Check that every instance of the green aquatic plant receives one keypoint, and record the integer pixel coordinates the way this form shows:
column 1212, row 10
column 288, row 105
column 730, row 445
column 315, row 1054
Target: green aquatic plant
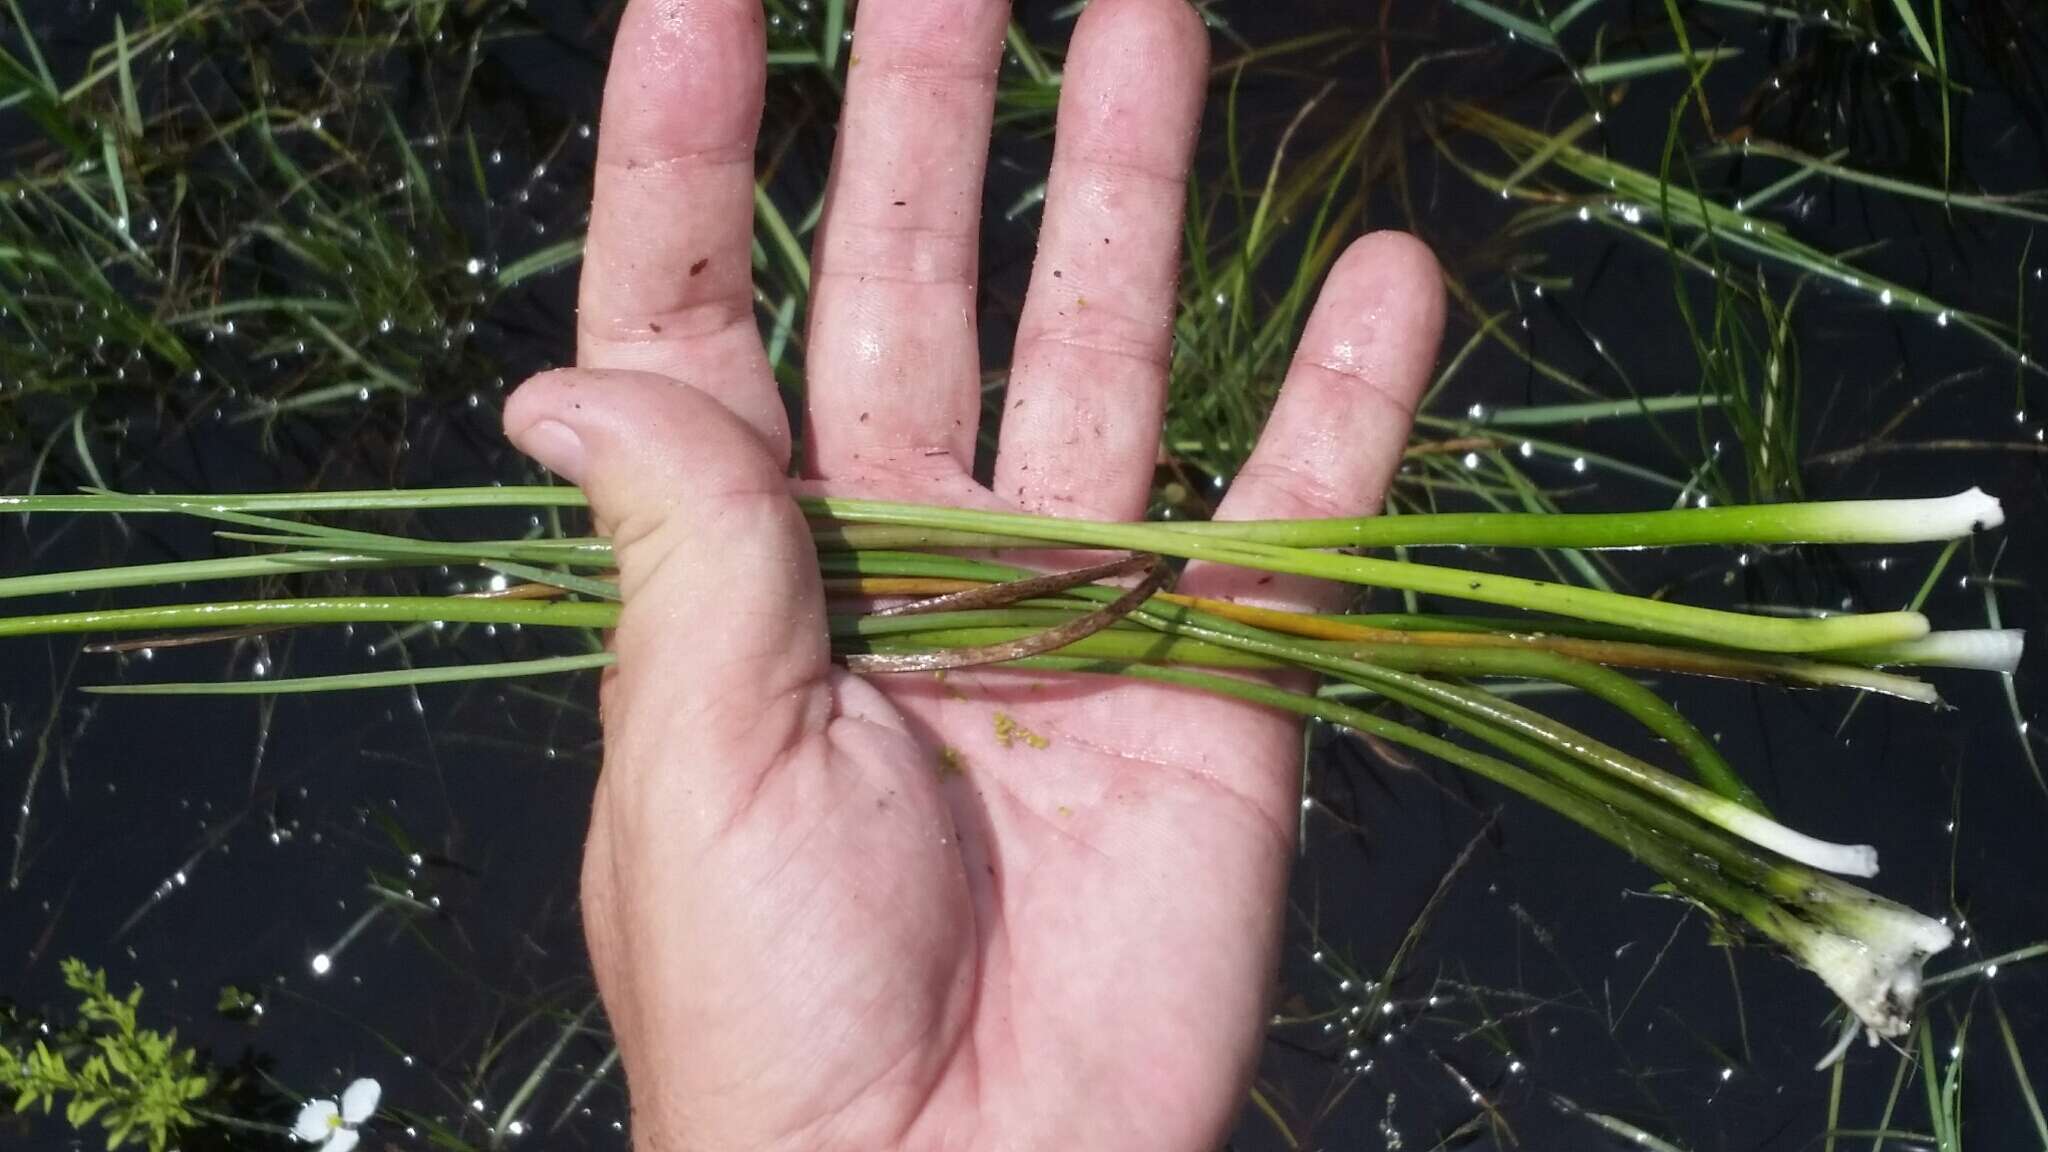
column 911, row 602
column 141, row 1086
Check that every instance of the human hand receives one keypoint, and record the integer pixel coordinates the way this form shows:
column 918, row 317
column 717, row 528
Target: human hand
column 808, row 934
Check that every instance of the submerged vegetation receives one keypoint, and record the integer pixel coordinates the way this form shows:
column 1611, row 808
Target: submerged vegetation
column 1710, row 254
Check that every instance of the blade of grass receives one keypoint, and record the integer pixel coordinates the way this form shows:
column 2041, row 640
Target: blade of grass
column 770, row 217
column 1616, row 71
column 366, row 681
column 1911, row 20
column 540, row 262
column 1515, row 26
column 1547, row 415
column 131, row 108
column 504, row 1129
column 2007, row 680
column 2017, row 207
column 2019, row 1072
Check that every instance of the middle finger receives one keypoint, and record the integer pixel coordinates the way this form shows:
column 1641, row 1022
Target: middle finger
column 893, row 355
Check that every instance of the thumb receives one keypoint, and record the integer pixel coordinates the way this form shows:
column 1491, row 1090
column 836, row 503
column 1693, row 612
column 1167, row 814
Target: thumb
column 723, row 654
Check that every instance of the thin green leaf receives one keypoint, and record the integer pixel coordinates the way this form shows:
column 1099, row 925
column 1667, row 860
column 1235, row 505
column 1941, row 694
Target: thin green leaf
column 1515, row 26
column 367, row 681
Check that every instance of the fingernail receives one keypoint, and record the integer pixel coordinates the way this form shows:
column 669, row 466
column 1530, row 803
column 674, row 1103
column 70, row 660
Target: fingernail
column 557, row 447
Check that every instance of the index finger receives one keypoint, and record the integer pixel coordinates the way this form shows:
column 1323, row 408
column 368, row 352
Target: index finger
column 667, row 286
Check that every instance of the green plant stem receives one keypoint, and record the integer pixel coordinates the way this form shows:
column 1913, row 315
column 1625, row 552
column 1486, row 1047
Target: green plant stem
column 1646, row 707
column 325, row 610
column 1617, row 648
column 1818, row 522
column 1465, row 707
column 1815, row 522
column 1426, row 695
column 1643, row 705
column 1704, row 877
column 1729, row 629
column 182, row 571
column 354, row 681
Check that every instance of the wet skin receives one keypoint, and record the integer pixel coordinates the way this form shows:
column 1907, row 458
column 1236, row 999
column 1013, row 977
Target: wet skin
column 989, row 910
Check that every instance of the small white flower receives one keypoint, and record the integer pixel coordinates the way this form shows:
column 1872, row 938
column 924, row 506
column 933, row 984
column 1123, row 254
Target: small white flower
column 335, row 1126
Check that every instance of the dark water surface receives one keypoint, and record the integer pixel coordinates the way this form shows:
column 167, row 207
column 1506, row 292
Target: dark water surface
column 189, row 845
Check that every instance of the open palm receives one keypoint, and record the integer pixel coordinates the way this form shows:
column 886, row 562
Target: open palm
column 993, row 909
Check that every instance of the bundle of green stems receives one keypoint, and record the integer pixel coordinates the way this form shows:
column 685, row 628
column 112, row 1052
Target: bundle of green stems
column 915, row 590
